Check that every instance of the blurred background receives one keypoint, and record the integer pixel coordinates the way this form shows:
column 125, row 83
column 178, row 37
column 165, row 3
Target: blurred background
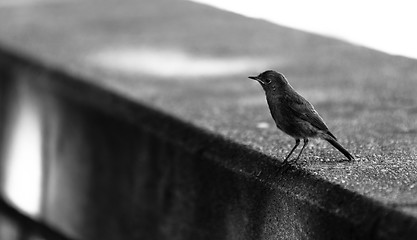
column 385, row 26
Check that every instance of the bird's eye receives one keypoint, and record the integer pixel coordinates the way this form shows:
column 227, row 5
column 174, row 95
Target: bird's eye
column 267, row 81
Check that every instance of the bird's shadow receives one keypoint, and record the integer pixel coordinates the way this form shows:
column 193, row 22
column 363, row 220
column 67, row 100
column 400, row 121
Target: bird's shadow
column 285, row 167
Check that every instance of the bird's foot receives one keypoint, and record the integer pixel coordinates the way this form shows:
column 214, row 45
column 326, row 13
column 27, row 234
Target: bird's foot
column 284, row 167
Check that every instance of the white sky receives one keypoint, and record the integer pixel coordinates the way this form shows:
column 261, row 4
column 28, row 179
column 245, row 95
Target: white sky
column 388, row 26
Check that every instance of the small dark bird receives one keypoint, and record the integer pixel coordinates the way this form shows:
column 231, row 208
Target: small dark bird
column 293, row 114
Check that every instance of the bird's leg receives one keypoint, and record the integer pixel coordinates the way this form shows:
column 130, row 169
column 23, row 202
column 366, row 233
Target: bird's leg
column 302, row 149
column 297, row 142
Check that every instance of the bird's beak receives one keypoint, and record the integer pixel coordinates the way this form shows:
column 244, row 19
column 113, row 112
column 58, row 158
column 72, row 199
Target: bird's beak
column 256, row 79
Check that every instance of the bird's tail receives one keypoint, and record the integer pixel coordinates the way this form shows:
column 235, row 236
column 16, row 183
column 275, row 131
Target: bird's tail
column 339, row 147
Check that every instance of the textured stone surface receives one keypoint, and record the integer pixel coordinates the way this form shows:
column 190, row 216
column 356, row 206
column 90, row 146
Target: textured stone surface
column 367, row 98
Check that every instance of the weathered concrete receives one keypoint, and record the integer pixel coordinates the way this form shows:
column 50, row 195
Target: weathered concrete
column 367, row 98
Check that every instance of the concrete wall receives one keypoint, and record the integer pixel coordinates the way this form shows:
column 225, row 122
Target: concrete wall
column 114, row 169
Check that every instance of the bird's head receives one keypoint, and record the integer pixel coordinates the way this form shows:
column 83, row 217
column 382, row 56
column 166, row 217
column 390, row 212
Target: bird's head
column 271, row 80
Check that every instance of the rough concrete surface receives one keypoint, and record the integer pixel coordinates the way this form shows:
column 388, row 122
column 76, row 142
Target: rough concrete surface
column 367, row 98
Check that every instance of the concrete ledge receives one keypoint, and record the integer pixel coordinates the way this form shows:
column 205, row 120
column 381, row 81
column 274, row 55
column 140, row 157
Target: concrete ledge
column 234, row 192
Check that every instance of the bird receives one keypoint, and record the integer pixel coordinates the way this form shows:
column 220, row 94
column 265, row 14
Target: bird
column 293, row 114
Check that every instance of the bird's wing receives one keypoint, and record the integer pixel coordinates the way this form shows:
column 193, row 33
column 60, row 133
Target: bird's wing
column 301, row 108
